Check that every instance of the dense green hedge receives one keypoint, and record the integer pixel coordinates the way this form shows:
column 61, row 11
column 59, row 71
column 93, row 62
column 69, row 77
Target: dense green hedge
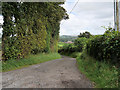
column 67, row 48
column 30, row 28
column 80, row 43
column 105, row 47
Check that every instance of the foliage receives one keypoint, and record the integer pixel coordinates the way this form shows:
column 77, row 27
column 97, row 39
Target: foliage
column 73, row 55
column 102, row 74
column 61, row 44
column 85, row 34
column 72, row 49
column 13, row 64
column 80, row 43
column 68, row 48
column 30, row 28
column 109, row 29
column 105, row 47
column 100, row 57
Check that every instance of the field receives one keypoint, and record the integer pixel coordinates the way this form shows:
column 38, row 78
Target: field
column 61, row 44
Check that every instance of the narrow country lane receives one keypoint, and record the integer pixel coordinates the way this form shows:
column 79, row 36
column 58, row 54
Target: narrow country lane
column 60, row 73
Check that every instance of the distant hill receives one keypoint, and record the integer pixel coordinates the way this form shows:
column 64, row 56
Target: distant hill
column 65, row 38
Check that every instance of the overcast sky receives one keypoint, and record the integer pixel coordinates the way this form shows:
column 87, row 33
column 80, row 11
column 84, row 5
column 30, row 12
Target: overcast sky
column 87, row 16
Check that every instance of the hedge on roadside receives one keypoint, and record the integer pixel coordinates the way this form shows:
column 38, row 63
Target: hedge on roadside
column 67, row 48
column 80, row 43
column 30, row 28
column 105, row 47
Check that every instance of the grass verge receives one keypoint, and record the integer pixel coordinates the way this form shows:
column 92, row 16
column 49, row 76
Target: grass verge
column 101, row 73
column 30, row 60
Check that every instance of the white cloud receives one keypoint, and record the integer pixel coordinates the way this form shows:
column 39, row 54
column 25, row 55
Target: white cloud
column 1, row 21
column 87, row 17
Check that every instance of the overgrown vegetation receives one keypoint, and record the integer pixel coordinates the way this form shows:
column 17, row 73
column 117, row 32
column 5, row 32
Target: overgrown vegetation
column 98, row 57
column 13, row 64
column 102, row 74
column 85, row 34
column 105, row 47
column 30, row 28
column 80, row 43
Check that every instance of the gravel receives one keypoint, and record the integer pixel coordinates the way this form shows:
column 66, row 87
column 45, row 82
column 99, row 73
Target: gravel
column 59, row 73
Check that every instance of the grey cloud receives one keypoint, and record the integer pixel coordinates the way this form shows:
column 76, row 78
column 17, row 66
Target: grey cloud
column 88, row 16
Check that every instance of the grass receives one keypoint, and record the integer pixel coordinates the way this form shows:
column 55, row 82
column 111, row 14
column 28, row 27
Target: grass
column 30, row 60
column 101, row 73
column 61, row 44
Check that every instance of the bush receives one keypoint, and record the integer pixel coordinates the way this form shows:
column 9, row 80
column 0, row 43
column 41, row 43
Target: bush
column 105, row 47
column 80, row 43
column 67, row 48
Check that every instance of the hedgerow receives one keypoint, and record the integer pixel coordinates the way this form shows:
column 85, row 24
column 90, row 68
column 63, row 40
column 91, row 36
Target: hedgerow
column 30, row 27
column 105, row 47
column 80, row 43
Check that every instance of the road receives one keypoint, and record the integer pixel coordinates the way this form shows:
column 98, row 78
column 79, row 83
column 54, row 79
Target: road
column 60, row 73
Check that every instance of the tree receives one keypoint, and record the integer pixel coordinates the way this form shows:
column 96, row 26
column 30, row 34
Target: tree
column 34, row 30
column 85, row 34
